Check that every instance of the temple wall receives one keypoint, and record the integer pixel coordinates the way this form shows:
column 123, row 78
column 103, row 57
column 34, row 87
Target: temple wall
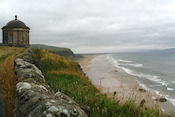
column 16, row 37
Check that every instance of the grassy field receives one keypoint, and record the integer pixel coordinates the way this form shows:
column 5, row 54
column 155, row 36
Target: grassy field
column 7, row 78
column 63, row 75
column 5, row 52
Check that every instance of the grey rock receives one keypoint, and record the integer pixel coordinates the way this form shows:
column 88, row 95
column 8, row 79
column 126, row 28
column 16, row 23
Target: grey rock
column 26, row 55
column 142, row 90
column 24, row 70
column 161, row 99
column 86, row 109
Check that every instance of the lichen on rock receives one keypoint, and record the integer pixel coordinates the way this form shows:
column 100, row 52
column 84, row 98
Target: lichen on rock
column 22, row 85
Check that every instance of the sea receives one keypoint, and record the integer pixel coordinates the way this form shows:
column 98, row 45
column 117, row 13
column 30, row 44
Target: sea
column 154, row 70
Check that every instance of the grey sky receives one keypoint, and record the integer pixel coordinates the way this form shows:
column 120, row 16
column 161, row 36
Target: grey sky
column 95, row 25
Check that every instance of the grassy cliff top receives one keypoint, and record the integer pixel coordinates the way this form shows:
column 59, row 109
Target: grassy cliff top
column 65, row 52
column 49, row 48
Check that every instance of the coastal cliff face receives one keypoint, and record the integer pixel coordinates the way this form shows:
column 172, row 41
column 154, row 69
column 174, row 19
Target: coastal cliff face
column 65, row 52
column 35, row 98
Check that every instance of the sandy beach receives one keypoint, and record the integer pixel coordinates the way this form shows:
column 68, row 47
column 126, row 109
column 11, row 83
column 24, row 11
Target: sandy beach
column 109, row 79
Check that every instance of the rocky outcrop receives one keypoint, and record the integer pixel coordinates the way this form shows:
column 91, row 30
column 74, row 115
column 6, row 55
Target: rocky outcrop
column 161, row 99
column 34, row 97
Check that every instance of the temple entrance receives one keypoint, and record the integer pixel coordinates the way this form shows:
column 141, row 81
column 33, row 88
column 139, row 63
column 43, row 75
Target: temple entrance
column 10, row 41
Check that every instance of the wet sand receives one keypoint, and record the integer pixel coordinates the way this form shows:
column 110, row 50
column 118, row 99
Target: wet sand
column 109, row 79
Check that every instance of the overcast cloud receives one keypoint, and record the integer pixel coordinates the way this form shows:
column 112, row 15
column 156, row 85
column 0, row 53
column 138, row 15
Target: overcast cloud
column 95, row 25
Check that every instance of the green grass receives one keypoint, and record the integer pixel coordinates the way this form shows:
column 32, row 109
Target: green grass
column 4, row 51
column 3, row 57
column 63, row 75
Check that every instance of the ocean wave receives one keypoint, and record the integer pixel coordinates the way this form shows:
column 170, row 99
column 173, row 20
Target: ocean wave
column 127, row 70
column 149, row 77
column 130, row 63
column 117, row 64
column 125, row 61
column 153, row 78
column 143, row 85
column 172, row 100
column 136, row 65
column 133, row 65
column 170, row 89
column 155, row 85
column 112, row 61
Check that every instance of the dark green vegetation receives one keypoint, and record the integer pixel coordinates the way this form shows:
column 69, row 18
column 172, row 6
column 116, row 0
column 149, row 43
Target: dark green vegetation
column 64, row 75
column 49, row 48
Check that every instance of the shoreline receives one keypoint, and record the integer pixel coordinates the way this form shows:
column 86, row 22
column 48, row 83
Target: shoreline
column 109, row 79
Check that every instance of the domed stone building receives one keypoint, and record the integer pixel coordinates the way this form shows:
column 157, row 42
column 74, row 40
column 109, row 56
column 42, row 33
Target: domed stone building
column 16, row 33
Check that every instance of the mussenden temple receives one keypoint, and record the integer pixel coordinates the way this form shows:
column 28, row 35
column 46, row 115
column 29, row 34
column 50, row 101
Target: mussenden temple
column 16, row 33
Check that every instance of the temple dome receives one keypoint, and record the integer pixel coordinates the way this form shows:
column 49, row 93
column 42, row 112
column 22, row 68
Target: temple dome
column 15, row 33
column 15, row 24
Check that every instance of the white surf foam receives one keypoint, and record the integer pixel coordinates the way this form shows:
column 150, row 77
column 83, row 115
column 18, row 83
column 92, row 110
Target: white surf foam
column 153, row 78
column 136, row 65
column 170, row 89
column 172, row 101
column 128, row 70
column 133, row 65
column 112, row 61
column 147, row 76
column 142, row 85
column 125, row 61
